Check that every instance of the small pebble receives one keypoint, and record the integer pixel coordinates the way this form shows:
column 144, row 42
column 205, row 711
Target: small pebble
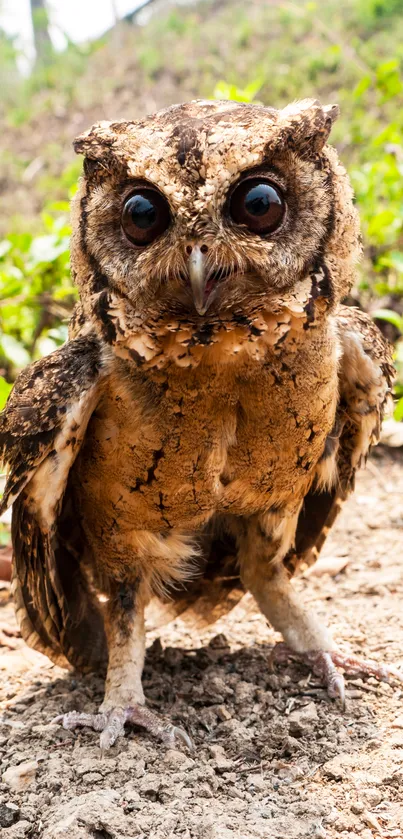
column 9, row 814
column 21, row 776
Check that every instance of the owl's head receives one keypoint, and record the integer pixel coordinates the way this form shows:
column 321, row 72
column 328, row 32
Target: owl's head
column 208, row 208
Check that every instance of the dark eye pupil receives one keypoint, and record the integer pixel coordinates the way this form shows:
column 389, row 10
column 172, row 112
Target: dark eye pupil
column 143, row 212
column 258, row 205
column 259, row 199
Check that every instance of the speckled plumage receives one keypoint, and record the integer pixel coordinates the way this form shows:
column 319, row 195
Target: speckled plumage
column 157, row 433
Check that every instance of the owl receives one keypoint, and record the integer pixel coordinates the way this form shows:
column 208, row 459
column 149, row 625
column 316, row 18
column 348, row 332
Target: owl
column 198, row 432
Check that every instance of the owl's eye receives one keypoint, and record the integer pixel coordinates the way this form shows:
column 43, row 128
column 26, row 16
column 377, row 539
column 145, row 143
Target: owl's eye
column 145, row 216
column 257, row 204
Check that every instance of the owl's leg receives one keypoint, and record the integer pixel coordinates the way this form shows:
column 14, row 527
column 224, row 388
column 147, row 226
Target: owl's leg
column 124, row 698
column 265, row 576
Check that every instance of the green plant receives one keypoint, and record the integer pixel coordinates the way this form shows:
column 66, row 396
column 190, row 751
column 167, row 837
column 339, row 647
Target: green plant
column 36, row 295
column 223, row 90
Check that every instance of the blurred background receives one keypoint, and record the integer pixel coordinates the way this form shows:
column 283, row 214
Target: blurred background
column 64, row 65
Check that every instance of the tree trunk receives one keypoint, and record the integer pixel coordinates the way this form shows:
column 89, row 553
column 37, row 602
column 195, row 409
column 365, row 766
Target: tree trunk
column 40, row 22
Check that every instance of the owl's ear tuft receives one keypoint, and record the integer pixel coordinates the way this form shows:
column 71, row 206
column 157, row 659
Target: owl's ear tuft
column 96, row 143
column 307, row 125
column 332, row 113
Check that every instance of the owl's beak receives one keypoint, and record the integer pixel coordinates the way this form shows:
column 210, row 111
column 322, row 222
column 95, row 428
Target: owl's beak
column 199, row 280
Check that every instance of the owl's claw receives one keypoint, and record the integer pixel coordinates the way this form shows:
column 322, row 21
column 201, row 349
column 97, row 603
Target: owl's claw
column 361, row 666
column 165, row 731
column 111, row 724
column 324, row 664
column 75, row 719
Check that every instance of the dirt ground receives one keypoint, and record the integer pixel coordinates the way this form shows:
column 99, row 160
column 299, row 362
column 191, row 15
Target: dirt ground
column 274, row 757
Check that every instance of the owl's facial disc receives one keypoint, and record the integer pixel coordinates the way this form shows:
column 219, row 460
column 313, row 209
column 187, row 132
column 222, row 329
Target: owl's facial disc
column 257, row 186
column 255, row 203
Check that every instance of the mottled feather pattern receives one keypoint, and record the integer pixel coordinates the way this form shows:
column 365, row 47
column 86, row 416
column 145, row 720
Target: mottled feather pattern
column 366, row 378
column 37, row 405
column 56, row 609
column 39, row 428
column 212, row 451
column 164, row 339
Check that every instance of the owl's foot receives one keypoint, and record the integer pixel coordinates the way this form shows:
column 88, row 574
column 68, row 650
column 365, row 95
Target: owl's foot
column 323, row 664
column 111, row 724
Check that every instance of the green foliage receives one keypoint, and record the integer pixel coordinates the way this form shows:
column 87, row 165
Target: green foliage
column 150, row 60
column 36, row 295
column 8, row 52
column 223, row 90
column 372, row 12
column 5, row 388
column 377, row 178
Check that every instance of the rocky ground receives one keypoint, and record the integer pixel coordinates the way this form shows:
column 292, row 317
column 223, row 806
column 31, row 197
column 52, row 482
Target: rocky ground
column 274, row 757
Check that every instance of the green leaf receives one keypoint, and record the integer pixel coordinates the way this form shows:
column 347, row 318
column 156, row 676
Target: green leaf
column 5, row 388
column 362, row 87
column 66, row 291
column 47, row 248
column 390, row 316
column 387, row 67
column 59, row 207
column 394, row 259
column 5, row 247
column 223, row 90
column 382, row 224
column 14, row 351
column 252, row 89
column 10, row 286
column 398, row 412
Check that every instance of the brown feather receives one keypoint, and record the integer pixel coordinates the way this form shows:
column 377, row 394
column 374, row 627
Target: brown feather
column 255, row 415
column 40, row 432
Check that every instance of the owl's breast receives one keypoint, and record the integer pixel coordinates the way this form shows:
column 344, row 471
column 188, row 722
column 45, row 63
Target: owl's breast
column 281, row 430
column 176, row 450
column 154, row 465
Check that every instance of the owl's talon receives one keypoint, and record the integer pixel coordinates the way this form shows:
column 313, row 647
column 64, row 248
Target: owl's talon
column 336, row 688
column 76, row 719
column 115, row 727
column 361, row 666
column 111, row 724
column 323, row 665
column 178, row 736
column 169, row 734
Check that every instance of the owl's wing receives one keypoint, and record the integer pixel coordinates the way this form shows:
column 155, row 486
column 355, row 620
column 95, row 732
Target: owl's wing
column 366, row 375
column 41, row 431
